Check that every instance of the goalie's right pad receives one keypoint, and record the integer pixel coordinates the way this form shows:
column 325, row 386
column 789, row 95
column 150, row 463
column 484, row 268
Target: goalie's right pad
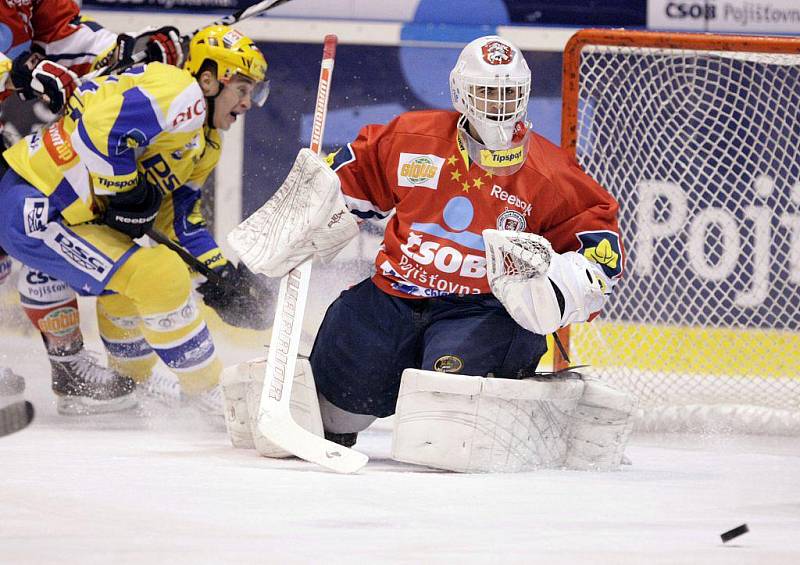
column 306, row 217
column 484, row 425
column 542, row 290
column 241, row 388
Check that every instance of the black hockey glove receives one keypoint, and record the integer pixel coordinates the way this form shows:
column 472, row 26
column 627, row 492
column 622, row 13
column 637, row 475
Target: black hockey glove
column 163, row 45
column 35, row 77
column 135, row 211
column 242, row 298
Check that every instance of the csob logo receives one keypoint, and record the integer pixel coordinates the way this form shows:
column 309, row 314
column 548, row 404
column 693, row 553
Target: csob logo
column 693, row 10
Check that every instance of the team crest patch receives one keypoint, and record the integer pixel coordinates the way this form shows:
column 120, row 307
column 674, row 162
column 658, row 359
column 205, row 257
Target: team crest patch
column 603, row 248
column 448, row 364
column 511, row 220
column 497, row 53
column 414, row 170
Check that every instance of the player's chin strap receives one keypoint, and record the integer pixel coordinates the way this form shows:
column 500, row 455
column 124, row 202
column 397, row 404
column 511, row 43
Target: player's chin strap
column 210, row 105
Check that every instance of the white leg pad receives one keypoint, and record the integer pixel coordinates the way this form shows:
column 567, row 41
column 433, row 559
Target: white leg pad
column 242, row 385
column 475, row 424
column 601, row 425
column 235, row 381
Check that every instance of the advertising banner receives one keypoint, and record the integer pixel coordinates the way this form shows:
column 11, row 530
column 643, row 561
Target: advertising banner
column 726, row 16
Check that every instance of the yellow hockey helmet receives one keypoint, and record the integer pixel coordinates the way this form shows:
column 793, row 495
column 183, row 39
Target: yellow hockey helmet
column 233, row 53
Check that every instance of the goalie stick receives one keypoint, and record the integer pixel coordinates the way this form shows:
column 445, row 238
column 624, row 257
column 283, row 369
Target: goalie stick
column 230, row 19
column 274, row 418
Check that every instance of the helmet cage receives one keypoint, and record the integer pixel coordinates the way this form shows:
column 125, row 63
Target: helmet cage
column 490, row 85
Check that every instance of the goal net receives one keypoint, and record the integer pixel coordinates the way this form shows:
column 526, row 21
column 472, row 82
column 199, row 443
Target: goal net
column 698, row 138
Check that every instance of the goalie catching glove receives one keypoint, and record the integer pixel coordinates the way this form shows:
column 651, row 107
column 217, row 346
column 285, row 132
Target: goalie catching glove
column 306, row 217
column 542, row 290
column 241, row 298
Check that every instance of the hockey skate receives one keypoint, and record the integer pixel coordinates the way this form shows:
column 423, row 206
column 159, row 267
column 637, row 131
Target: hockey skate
column 346, row 440
column 162, row 387
column 210, row 404
column 83, row 386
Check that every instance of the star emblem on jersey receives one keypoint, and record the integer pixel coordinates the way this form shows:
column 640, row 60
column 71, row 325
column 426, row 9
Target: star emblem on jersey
column 451, row 160
column 455, row 175
column 477, row 183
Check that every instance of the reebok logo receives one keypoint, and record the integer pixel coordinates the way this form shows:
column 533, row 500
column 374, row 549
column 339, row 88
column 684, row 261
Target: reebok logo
column 513, row 200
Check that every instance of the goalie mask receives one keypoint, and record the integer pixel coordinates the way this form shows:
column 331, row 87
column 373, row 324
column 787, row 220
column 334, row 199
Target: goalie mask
column 232, row 53
column 490, row 86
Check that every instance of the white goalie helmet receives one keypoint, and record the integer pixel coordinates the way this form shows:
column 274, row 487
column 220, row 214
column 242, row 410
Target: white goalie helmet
column 490, row 85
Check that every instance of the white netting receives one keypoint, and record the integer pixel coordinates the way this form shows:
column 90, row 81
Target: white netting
column 702, row 151
column 516, row 256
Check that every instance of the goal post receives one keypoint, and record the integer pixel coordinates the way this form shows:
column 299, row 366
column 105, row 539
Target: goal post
column 697, row 136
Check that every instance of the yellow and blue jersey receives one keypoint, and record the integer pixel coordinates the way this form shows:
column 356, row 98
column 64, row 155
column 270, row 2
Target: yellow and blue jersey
column 149, row 120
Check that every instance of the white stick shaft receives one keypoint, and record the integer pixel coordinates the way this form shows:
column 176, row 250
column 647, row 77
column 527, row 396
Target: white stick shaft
column 274, row 420
column 293, row 294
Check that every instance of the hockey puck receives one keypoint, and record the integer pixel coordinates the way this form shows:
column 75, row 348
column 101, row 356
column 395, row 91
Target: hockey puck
column 734, row 533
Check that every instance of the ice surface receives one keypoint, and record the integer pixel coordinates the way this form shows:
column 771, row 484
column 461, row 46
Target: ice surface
column 168, row 488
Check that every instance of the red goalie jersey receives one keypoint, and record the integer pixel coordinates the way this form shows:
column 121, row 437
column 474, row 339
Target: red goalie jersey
column 433, row 246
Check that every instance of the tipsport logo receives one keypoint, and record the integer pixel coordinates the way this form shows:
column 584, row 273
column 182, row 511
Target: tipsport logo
column 415, row 170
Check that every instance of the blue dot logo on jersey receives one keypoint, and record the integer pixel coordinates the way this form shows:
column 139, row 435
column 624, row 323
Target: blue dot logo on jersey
column 457, row 216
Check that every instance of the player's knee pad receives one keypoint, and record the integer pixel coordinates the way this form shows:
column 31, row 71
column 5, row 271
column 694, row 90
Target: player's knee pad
column 601, row 425
column 476, row 424
column 155, row 279
column 241, row 387
column 157, row 282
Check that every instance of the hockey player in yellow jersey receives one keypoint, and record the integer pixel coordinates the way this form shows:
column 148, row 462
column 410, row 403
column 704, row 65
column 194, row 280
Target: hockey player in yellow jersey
column 131, row 152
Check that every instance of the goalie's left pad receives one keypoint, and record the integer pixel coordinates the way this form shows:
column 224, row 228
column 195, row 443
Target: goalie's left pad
column 483, row 425
column 542, row 290
column 600, row 428
column 241, row 388
column 306, row 217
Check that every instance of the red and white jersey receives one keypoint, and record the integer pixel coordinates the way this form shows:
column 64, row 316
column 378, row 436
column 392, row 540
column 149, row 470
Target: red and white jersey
column 433, row 245
column 56, row 27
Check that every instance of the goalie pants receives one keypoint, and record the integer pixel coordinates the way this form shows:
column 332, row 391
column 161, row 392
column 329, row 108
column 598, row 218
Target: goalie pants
column 368, row 337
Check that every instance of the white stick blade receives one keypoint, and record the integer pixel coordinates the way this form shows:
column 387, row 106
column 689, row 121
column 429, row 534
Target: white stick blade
column 289, row 436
